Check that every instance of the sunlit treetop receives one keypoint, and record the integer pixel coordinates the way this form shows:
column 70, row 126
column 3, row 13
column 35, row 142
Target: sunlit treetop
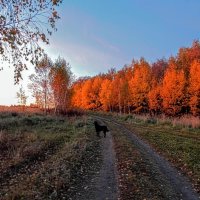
column 23, row 23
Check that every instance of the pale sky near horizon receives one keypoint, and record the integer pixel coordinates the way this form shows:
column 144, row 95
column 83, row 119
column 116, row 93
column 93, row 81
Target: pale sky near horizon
column 94, row 36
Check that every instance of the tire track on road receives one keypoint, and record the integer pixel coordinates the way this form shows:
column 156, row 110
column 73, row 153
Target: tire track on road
column 103, row 185
column 172, row 181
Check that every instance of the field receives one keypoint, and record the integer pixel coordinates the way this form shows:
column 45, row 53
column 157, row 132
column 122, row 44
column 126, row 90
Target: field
column 60, row 157
column 44, row 157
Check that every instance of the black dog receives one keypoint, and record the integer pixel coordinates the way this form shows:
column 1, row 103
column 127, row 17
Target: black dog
column 100, row 128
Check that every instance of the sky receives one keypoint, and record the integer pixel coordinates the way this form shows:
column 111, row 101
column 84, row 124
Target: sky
column 94, row 36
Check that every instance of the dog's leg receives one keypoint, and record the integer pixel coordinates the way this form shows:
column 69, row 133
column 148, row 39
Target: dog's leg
column 104, row 133
column 98, row 134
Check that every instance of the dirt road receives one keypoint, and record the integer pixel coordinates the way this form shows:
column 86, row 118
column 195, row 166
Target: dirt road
column 165, row 180
column 103, row 185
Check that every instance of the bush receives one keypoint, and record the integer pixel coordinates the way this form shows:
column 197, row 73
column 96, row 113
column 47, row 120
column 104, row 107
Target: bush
column 28, row 122
column 7, row 123
column 14, row 114
column 151, row 121
column 74, row 112
column 127, row 117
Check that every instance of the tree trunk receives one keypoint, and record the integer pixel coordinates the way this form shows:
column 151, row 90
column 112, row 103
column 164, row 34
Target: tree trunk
column 119, row 103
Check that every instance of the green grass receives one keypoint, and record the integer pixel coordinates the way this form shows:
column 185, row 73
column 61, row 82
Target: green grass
column 44, row 127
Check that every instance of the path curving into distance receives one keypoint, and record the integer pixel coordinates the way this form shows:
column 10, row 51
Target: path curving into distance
column 176, row 185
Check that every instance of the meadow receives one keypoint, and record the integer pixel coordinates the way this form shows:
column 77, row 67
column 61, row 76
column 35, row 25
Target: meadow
column 44, row 156
column 53, row 156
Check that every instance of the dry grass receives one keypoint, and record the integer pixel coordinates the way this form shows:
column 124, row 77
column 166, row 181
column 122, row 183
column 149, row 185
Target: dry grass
column 185, row 121
column 46, row 152
column 3, row 137
column 19, row 109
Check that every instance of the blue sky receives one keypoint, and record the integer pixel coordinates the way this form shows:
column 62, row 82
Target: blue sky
column 97, row 35
column 94, row 36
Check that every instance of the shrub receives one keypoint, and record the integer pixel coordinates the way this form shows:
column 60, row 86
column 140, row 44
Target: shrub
column 74, row 112
column 14, row 114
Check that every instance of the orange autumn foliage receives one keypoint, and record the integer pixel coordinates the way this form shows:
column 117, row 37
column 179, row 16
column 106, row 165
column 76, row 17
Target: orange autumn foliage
column 61, row 77
column 194, row 88
column 77, row 95
column 140, row 85
column 105, row 95
column 155, row 100
column 169, row 86
column 173, row 90
column 86, row 96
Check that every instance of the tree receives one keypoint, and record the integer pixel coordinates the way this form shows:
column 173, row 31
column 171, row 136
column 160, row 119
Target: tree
column 61, row 78
column 22, row 25
column 115, row 94
column 155, row 100
column 167, row 86
column 105, row 95
column 186, row 56
column 76, row 100
column 140, row 86
column 173, row 89
column 21, row 96
column 95, row 90
column 87, row 95
column 194, row 88
column 40, row 83
column 158, row 70
column 120, row 92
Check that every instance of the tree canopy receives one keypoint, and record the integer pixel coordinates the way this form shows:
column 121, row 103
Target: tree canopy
column 168, row 86
column 23, row 24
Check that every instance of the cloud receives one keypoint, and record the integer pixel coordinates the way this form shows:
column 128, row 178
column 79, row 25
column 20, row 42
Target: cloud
column 106, row 45
column 84, row 59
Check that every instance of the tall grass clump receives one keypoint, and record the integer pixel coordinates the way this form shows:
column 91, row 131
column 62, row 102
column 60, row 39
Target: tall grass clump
column 186, row 121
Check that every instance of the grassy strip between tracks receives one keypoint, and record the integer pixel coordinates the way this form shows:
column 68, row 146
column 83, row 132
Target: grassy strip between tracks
column 136, row 180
